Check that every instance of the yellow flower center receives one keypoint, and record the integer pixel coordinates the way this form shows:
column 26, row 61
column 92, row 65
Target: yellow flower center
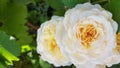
column 50, row 42
column 53, row 45
column 54, row 49
column 117, row 49
column 87, row 34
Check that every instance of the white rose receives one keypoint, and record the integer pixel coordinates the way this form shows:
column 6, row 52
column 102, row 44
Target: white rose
column 115, row 59
column 88, row 35
column 90, row 65
column 46, row 43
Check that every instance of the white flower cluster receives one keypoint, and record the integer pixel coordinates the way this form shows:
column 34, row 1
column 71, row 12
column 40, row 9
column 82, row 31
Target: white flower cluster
column 85, row 37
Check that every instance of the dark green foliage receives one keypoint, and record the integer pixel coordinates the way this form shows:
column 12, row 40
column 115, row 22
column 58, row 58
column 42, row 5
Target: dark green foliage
column 38, row 12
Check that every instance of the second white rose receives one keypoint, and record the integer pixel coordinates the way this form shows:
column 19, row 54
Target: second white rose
column 88, row 35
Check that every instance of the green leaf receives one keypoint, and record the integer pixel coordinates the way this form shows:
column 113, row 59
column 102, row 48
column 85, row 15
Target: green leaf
column 3, row 4
column 72, row 3
column 115, row 66
column 14, row 20
column 44, row 64
column 56, row 4
column 2, row 60
column 2, row 66
column 113, row 7
column 101, row 2
column 9, row 49
column 25, row 48
column 24, row 2
column 59, row 12
column 8, row 44
column 7, row 55
column 73, row 66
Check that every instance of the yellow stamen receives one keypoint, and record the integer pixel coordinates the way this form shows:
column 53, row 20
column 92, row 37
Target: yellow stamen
column 50, row 41
column 117, row 49
column 87, row 34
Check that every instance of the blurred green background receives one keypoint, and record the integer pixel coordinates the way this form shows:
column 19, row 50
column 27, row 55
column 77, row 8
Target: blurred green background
column 21, row 19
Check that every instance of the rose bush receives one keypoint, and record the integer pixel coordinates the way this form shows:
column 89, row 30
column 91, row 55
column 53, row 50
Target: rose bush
column 88, row 36
column 47, row 46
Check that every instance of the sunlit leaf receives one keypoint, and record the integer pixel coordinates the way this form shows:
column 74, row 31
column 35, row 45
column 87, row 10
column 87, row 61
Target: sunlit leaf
column 25, row 48
column 9, row 49
column 7, row 55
